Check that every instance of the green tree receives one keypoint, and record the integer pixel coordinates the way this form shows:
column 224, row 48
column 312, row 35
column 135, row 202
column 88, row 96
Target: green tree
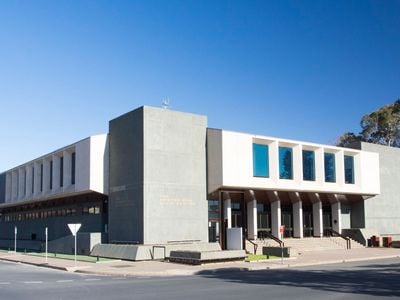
column 347, row 139
column 382, row 126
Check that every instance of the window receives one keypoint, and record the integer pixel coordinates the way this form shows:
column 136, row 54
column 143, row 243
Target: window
column 348, row 169
column 329, row 164
column 61, row 171
column 51, row 174
column 285, row 163
column 213, row 209
column 308, row 165
column 73, row 159
column 260, row 160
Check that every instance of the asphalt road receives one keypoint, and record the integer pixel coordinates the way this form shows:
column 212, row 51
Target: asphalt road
column 368, row 280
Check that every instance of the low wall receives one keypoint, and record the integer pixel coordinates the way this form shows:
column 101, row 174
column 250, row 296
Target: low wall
column 278, row 251
column 149, row 252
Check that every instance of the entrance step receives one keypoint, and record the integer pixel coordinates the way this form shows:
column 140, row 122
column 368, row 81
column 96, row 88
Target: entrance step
column 316, row 244
column 304, row 244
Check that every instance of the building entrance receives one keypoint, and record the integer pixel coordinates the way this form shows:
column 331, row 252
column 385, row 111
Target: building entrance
column 287, row 220
column 327, row 220
column 308, row 228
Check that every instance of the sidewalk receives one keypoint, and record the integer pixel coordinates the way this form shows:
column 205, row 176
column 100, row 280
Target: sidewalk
column 158, row 268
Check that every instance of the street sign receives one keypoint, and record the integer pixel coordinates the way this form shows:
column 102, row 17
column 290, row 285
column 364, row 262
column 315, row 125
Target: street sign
column 74, row 228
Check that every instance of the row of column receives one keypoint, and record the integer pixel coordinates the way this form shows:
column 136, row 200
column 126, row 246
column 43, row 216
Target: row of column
column 49, row 175
column 297, row 214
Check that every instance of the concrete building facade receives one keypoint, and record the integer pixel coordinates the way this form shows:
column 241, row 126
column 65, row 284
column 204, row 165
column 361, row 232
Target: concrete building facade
column 161, row 176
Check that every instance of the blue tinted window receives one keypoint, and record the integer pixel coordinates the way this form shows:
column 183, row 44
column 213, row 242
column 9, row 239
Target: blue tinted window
column 260, row 160
column 308, row 165
column 348, row 169
column 329, row 162
column 285, row 163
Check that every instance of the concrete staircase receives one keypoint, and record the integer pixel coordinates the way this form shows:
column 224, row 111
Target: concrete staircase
column 305, row 244
column 319, row 244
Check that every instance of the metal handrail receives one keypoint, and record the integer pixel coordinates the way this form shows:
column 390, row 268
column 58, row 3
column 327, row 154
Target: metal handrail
column 272, row 237
column 347, row 239
column 255, row 245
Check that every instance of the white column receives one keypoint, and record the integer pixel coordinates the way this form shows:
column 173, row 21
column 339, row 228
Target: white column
column 46, row 176
column 29, row 176
column 317, row 219
column 297, row 208
column 252, row 219
column 336, row 217
column 275, row 214
column 56, row 173
column 21, row 182
column 228, row 210
column 36, row 188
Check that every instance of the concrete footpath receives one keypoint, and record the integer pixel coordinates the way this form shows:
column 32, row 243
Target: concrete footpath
column 160, row 268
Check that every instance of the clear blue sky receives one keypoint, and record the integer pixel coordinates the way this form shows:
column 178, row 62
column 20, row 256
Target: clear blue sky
column 305, row 70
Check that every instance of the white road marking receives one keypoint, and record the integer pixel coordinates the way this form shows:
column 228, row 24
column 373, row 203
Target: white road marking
column 33, row 282
column 4, row 283
column 92, row 279
column 65, row 280
column 119, row 278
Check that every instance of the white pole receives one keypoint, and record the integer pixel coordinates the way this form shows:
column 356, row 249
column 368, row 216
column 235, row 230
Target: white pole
column 75, row 247
column 15, row 239
column 46, row 233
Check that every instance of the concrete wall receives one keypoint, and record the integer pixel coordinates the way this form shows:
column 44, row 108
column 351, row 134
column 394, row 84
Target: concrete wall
column 125, row 206
column 382, row 212
column 237, row 166
column 157, row 177
column 175, row 205
column 2, row 187
column 31, row 181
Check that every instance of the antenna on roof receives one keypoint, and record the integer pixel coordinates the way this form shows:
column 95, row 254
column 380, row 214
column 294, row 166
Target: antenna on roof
column 165, row 103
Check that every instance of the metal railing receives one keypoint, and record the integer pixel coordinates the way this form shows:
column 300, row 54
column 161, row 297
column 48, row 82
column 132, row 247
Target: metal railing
column 265, row 234
column 255, row 245
column 331, row 232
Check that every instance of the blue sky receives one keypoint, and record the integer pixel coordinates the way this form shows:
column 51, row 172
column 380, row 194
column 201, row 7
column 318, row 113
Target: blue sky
column 305, row 70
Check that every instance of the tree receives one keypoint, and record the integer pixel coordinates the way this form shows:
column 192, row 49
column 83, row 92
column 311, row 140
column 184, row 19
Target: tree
column 379, row 127
column 348, row 139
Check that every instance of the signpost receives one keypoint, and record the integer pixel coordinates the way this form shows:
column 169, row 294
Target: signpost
column 46, row 233
column 74, row 229
column 15, row 239
column 282, row 230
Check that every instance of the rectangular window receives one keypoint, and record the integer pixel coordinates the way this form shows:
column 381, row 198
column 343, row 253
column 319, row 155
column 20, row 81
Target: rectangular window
column 329, row 164
column 51, row 174
column 285, row 163
column 61, row 171
column 308, row 165
column 348, row 169
column 41, row 177
column 260, row 160
column 73, row 159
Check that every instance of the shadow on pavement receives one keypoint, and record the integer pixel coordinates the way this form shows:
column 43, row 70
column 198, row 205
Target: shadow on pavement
column 377, row 280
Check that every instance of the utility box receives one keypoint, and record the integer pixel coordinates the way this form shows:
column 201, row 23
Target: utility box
column 387, row 241
column 234, row 238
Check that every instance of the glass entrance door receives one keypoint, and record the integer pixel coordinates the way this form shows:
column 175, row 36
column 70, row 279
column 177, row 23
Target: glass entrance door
column 327, row 220
column 287, row 221
column 308, row 228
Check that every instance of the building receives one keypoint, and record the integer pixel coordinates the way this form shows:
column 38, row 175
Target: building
column 161, row 176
